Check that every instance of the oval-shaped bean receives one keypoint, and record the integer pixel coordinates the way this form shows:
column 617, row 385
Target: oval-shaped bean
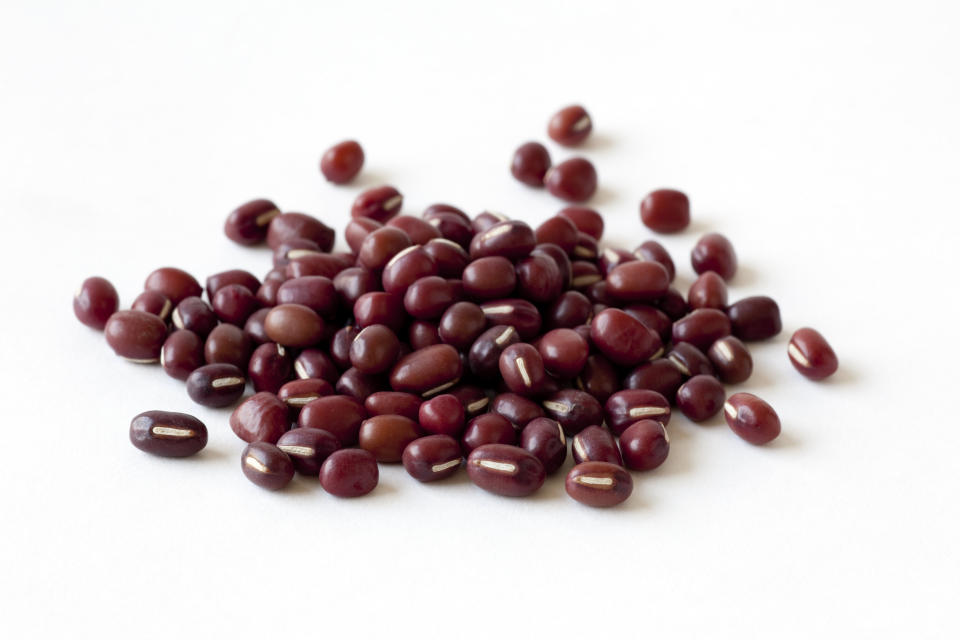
column 644, row 445
column 270, row 367
column 182, row 352
column 488, row 428
column 544, row 438
column 595, row 444
column 386, row 436
column 443, row 414
column 292, row 226
column 216, row 385
column 700, row 398
column 755, row 318
column 262, row 417
column 638, row 281
column 811, row 354
column 701, row 328
column 378, row 203
column 95, row 301
column 522, row 369
column 575, row 410
column 713, row 252
column 308, row 448
column 427, row 372
column 623, row 408
column 293, row 325
column 137, row 336
column 599, row 484
column 522, row 315
column 659, row 375
column 511, row 239
column 247, row 224
column 265, row 465
column 174, row 283
column 751, row 418
column 709, row 291
column 623, row 338
column 340, row 415
column 349, row 473
column 168, row 434
column 299, row 393
column 432, row 458
column 505, row 470
column 731, row 360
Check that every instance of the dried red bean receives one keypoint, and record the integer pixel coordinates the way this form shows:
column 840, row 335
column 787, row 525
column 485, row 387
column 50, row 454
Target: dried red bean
column 595, row 444
column 428, row 297
column 182, row 352
column 571, row 309
column 340, row 415
column 360, row 385
column 137, row 336
column 473, row 399
column 505, row 470
column 689, row 360
column 623, row 408
column 484, row 357
column 196, row 315
column 443, row 414
column 393, row 402
column 308, row 448
column 234, row 303
column 489, row 278
column 291, row 226
column 340, row 346
column 298, row 393
column 530, row 163
column 379, row 203
column 559, row 230
column 292, row 249
column 417, row 229
column 666, row 211
column 381, row 245
column 653, row 319
column 267, row 293
column 216, row 385
column 314, row 292
column 486, row 219
column 153, row 302
column 386, row 436
column 95, row 301
column 599, row 378
column 731, row 360
column 423, row 334
column 585, row 219
column 586, row 248
column 701, row 328
column 544, row 438
column 452, row 227
column 231, row 276
column 599, row 484
column 349, row 473
column 342, row 162
column 570, row 126
column 564, row 352
column 174, row 283
column 574, row 180
column 168, row 434
column 461, row 324
column 623, row 338
column 522, row 369
column 407, row 267
column 270, row 367
column 811, row 354
column 709, row 291
column 318, row 264
column 247, row 224
column 653, row 251
column 352, row 283
column 293, row 325
column 519, row 313
column 432, row 458
column 660, row 375
column 380, row 307
column 511, row 239
column 450, row 257
column 644, row 445
column 428, row 371
column 539, row 279
column 488, row 428
column 713, row 252
column 673, row 304
column 638, row 281
column 313, row 363
column 227, row 343
column 262, row 417
column 515, row 408
column 374, row 349
column 700, row 398
column 751, row 418
column 265, row 465
column 573, row 409
column 755, row 318
column 357, row 231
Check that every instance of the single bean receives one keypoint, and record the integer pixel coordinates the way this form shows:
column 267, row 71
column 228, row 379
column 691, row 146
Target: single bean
column 751, row 418
column 432, row 458
column 216, row 385
column 811, row 354
column 599, row 484
column 265, row 465
column 168, row 434
column 261, row 417
column 644, row 445
column 505, row 470
column 95, row 301
column 308, row 448
column 349, row 473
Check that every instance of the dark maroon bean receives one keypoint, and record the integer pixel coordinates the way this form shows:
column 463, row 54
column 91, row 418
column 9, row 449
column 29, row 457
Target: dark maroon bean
column 308, row 448
column 270, row 367
column 174, row 283
column 700, row 398
column 484, row 357
column 95, row 301
column 449, row 257
column 599, row 378
column 505, row 470
column 731, row 359
column 432, row 458
column 461, row 324
column 407, row 267
column 653, row 319
column 182, row 352
column 443, row 414
column 488, row 428
column 530, row 163
column 340, row 415
column 261, row 417
column 428, row 371
column 288, row 226
column 586, row 248
column 573, row 409
column 233, row 276
column 571, row 309
column 473, row 399
column 393, row 402
column 751, row 418
column 293, row 325
column 599, row 294
column 811, row 354
column 638, row 281
column 453, row 228
column 352, row 283
column 381, row 245
column 539, row 279
column 317, row 264
column 267, row 293
column 428, row 297
column 660, row 375
column 644, row 445
column 544, row 438
column 196, row 315
column 522, row 369
column 216, row 385
column 234, row 303
column 560, row 257
column 653, row 251
column 265, row 465
column 423, row 334
column 574, row 180
column 599, row 484
column 701, row 328
column 515, row 408
column 559, row 230
column 516, row 312
column 486, row 219
column 689, row 360
column 511, row 239
column 623, row 338
column 340, row 346
column 585, row 219
column 227, row 343
column 386, row 436
column 489, row 278
column 713, row 252
column 298, row 393
column 314, row 292
column 379, row 203
column 291, row 250
column 254, row 327
column 665, row 211
column 374, row 349
column 625, row 407
column 709, row 291
column 357, row 231
column 441, row 207
column 755, row 318
column 673, row 304
column 168, row 434
column 564, row 352
column 153, row 302
column 380, row 307
column 137, row 336
column 342, row 162
column 349, row 473
column 360, row 385
column 570, row 126
column 595, row 444
column 313, row 363
column 247, row 224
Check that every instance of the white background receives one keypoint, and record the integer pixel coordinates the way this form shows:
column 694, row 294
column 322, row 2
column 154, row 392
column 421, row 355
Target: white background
column 820, row 137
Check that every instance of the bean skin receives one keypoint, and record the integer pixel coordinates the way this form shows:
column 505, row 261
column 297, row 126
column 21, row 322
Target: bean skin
column 505, row 470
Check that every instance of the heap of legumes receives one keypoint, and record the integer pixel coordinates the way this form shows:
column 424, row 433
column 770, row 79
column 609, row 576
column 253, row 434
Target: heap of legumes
column 445, row 341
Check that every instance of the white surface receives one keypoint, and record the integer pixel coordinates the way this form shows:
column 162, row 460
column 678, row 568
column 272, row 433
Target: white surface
column 821, row 138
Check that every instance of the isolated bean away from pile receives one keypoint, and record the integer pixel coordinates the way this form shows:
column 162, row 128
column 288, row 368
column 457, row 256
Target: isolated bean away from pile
column 447, row 341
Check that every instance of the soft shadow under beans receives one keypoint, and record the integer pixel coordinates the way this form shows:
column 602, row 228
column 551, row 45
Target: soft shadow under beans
column 597, row 141
column 369, row 178
column 603, row 197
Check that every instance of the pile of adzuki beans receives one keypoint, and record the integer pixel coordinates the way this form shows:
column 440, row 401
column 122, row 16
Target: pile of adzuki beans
column 443, row 337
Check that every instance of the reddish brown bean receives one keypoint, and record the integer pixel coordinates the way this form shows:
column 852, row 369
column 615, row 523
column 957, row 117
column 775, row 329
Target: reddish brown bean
column 731, row 360
column 811, row 354
column 709, row 291
column 407, row 267
column 638, row 281
column 271, row 365
column 95, row 301
column 379, row 203
column 511, row 239
column 754, row 318
column 174, row 283
column 168, row 434
column 153, row 302
column 539, row 279
column 644, row 445
column 700, row 398
column 595, row 444
column 375, row 349
column 247, row 224
column 625, row 407
column 751, row 418
column 387, row 436
column 265, row 465
column 293, row 325
column 570, row 126
column 443, row 414
column 530, row 163
column 314, row 363
column 196, row 315
column 586, row 220
column 349, row 473
column 489, row 278
column 599, row 378
column 216, row 385
column 522, row 369
column 291, row 226
column 357, row 230
column 227, row 343
column 380, row 246
column 573, row 409
column 622, row 338
column 660, row 375
column 515, row 408
column 666, row 210
column 488, row 428
column 428, row 371
column 544, row 438
column 505, row 470
column 701, row 328
column 427, row 298
column 340, row 415
column 315, row 292
column 182, row 352
column 308, row 448
column 599, row 484
column 393, row 402
column 298, row 393
column 380, row 307
column 137, row 336
column 432, row 458
column 521, row 314
column 713, row 252
column 261, row 417
column 689, row 360
column 234, row 303
column 342, row 162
